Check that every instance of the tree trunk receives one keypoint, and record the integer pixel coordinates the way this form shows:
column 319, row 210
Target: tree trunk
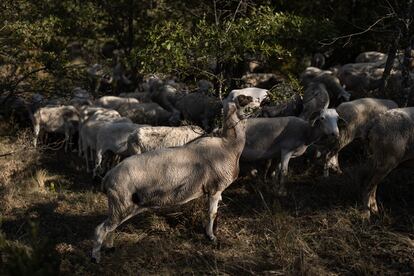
column 389, row 64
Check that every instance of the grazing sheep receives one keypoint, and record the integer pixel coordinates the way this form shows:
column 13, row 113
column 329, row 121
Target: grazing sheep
column 371, row 56
column 152, row 138
column 90, row 129
column 324, row 91
column 361, row 77
column 84, row 113
column 391, row 142
column 357, row 114
column 315, row 98
column 80, row 97
column 165, row 95
column 112, row 137
column 62, row 119
column 283, row 138
column 142, row 97
column 199, row 109
column 292, row 107
column 148, row 113
column 113, row 102
column 261, row 80
column 173, row 176
column 337, row 94
column 307, row 76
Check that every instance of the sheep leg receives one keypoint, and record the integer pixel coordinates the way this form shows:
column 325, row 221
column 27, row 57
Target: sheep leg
column 79, row 145
column 283, row 172
column 334, row 164
column 66, row 140
column 370, row 194
column 212, row 214
column 36, row 134
column 85, row 153
column 108, row 227
column 331, row 162
column 98, row 161
column 110, row 240
column 267, row 167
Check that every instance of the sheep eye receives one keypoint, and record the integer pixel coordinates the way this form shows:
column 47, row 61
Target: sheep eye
column 322, row 118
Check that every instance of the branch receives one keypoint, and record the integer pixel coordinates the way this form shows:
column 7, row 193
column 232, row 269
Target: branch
column 355, row 34
column 234, row 16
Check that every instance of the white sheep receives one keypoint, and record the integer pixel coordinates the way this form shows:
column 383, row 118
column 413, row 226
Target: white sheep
column 358, row 115
column 90, row 129
column 152, row 138
column 61, row 119
column 173, row 176
column 114, row 102
column 283, row 138
column 112, row 137
column 391, row 142
column 148, row 113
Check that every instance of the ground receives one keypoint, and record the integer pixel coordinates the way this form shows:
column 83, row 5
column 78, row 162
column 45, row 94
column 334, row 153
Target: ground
column 50, row 207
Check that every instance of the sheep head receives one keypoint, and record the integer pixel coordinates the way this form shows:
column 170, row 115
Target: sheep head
column 234, row 122
column 327, row 121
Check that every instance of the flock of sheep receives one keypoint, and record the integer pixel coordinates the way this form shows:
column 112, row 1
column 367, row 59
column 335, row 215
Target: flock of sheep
column 166, row 162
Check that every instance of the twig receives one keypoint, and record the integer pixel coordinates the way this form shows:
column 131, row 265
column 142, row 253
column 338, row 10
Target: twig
column 356, row 34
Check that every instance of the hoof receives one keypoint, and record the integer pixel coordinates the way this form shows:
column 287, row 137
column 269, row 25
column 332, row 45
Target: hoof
column 366, row 215
column 213, row 239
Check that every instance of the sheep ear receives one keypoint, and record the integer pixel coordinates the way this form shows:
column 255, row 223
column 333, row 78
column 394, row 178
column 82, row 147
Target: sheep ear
column 342, row 122
column 314, row 117
column 243, row 100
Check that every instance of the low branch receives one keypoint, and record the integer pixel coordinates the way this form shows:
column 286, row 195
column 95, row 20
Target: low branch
column 349, row 36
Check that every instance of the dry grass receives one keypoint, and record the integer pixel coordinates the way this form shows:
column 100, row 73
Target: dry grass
column 317, row 230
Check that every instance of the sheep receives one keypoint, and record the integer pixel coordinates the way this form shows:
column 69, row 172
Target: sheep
column 112, row 137
column 358, row 115
column 62, row 119
column 371, row 56
column 85, row 112
column 205, row 86
column 173, row 176
column 142, row 97
column 257, row 94
column 199, row 109
column 361, row 77
column 261, row 80
column 307, row 76
column 337, row 94
column 149, row 113
column 15, row 107
column 113, row 102
column 151, row 138
column 91, row 126
column 315, row 98
column 165, row 95
column 324, row 91
column 291, row 107
column 283, row 138
column 80, row 97
column 391, row 142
